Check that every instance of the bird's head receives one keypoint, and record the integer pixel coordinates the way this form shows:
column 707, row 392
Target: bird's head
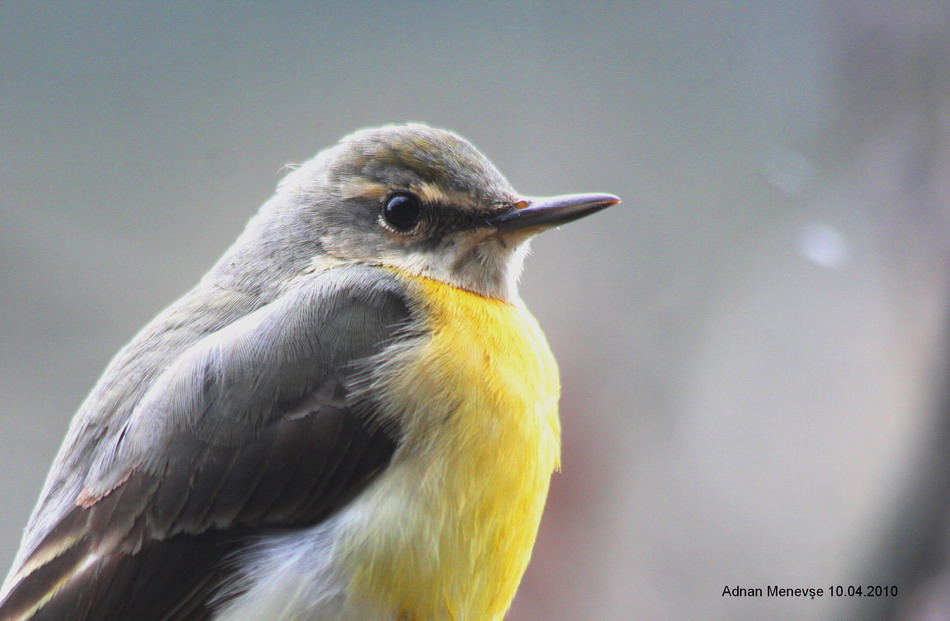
column 418, row 199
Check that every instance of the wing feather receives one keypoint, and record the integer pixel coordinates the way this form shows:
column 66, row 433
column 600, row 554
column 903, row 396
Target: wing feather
column 276, row 439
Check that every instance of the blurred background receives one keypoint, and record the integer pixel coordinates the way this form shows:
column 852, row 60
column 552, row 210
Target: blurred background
column 752, row 345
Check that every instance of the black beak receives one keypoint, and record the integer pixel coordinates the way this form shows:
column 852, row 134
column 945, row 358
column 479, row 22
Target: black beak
column 543, row 213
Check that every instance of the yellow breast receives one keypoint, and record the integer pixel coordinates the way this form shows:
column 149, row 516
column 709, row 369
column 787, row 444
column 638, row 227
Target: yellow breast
column 447, row 531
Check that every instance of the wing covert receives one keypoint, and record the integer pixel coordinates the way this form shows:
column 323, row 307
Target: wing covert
column 255, row 427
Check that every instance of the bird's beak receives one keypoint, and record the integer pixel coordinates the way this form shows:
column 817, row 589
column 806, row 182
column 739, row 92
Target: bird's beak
column 542, row 213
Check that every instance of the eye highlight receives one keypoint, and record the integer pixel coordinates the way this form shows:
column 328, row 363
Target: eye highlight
column 402, row 211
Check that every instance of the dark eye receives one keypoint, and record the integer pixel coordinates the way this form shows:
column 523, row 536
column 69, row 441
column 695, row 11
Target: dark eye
column 402, row 211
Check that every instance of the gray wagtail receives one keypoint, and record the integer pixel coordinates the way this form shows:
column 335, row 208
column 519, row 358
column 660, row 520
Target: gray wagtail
column 352, row 416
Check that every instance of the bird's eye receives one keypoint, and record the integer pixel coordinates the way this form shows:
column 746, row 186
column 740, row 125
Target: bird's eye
column 402, row 211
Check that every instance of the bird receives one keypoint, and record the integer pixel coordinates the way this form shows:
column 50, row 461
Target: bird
column 352, row 416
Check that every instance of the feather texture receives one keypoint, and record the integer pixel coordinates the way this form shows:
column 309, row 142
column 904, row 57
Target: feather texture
column 256, row 428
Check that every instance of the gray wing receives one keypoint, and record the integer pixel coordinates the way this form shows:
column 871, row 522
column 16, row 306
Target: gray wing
column 254, row 426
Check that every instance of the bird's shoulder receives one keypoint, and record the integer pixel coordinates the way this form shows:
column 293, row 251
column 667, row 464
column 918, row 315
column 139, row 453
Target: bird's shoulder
column 255, row 424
